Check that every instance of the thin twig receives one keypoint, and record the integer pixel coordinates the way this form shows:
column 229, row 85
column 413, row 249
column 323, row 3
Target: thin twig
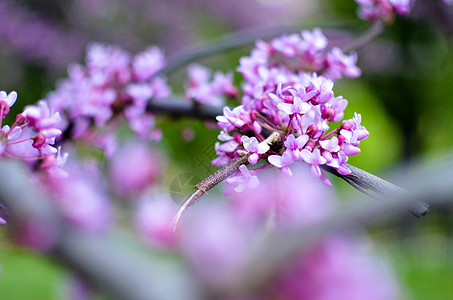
column 365, row 38
column 236, row 40
column 208, row 183
column 177, row 108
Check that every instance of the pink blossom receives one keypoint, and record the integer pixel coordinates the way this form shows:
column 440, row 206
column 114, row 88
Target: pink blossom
column 299, row 115
column 134, row 167
column 81, row 198
column 231, row 119
column 41, row 116
column 147, row 63
column 201, row 89
column 298, row 200
column 385, row 10
column 215, row 243
column 53, row 164
column 6, row 101
column 320, row 274
column 295, row 145
column 297, row 107
column 245, row 181
column 153, row 218
column 339, row 64
column 314, row 159
column 282, row 162
column 256, row 149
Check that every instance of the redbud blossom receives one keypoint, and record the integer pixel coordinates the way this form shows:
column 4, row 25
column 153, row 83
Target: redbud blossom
column 377, row 10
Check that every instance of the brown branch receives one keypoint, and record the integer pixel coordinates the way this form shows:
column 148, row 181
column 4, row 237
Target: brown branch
column 278, row 250
column 364, row 181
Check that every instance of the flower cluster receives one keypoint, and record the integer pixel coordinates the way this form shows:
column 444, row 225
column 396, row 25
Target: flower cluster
column 280, row 60
column 216, row 239
column 32, row 135
column 377, row 10
column 210, row 92
column 111, row 84
column 299, row 115
column 281, row 97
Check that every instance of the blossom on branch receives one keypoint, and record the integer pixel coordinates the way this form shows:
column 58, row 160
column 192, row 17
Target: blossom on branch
column 205, row 91
column 111, row 86
column 385, row 10
column 300, row 113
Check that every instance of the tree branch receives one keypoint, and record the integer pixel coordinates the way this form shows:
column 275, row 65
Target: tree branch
column 278, row 250
column 236, row 40
column 364, row 181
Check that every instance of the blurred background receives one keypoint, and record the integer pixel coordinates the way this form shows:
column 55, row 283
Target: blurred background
column 404, row 96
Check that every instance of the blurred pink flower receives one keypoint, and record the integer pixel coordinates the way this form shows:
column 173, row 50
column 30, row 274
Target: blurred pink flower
column 300, row 199
column 340, row 268
column 134, row 167
column 152, row 220
column 214, row 242
column 81, row 198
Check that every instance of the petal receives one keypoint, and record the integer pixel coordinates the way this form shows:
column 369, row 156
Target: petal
column 253, row 183
column 287, row 171
column 315, row 170
column 228, row 147
column 287, row 159
column 349, row 149
column 286, row 107
column 275, row 160
column 306, row 156
column 253, row 158
column 325, row 180
column 301, row 141
column 11, row 98
column 245, row 171
column 263, row 147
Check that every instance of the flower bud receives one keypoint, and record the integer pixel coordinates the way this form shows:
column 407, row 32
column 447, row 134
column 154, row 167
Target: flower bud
column 312, row 130
column 346, row 126
column 39, row 140
column 328, row 113
column 20, row 120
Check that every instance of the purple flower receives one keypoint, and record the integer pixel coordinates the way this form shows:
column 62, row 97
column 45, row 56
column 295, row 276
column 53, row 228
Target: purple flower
column 385, row 10
column 315, row 159
column 81, row 198
column 295, row 145
column 152, row 220
column 282, row 162
column 339, row 63
column 330, row 145
column 231, row 119
column 297, row 107
column 53, row 164
column 256, row 149
column 41, row 116
column 6, row 101
column 215, row 243
column 319, row 274
column 245, row 181
column 204, row 91
column 298, row 200
column 147, row 63
column 134, row 167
